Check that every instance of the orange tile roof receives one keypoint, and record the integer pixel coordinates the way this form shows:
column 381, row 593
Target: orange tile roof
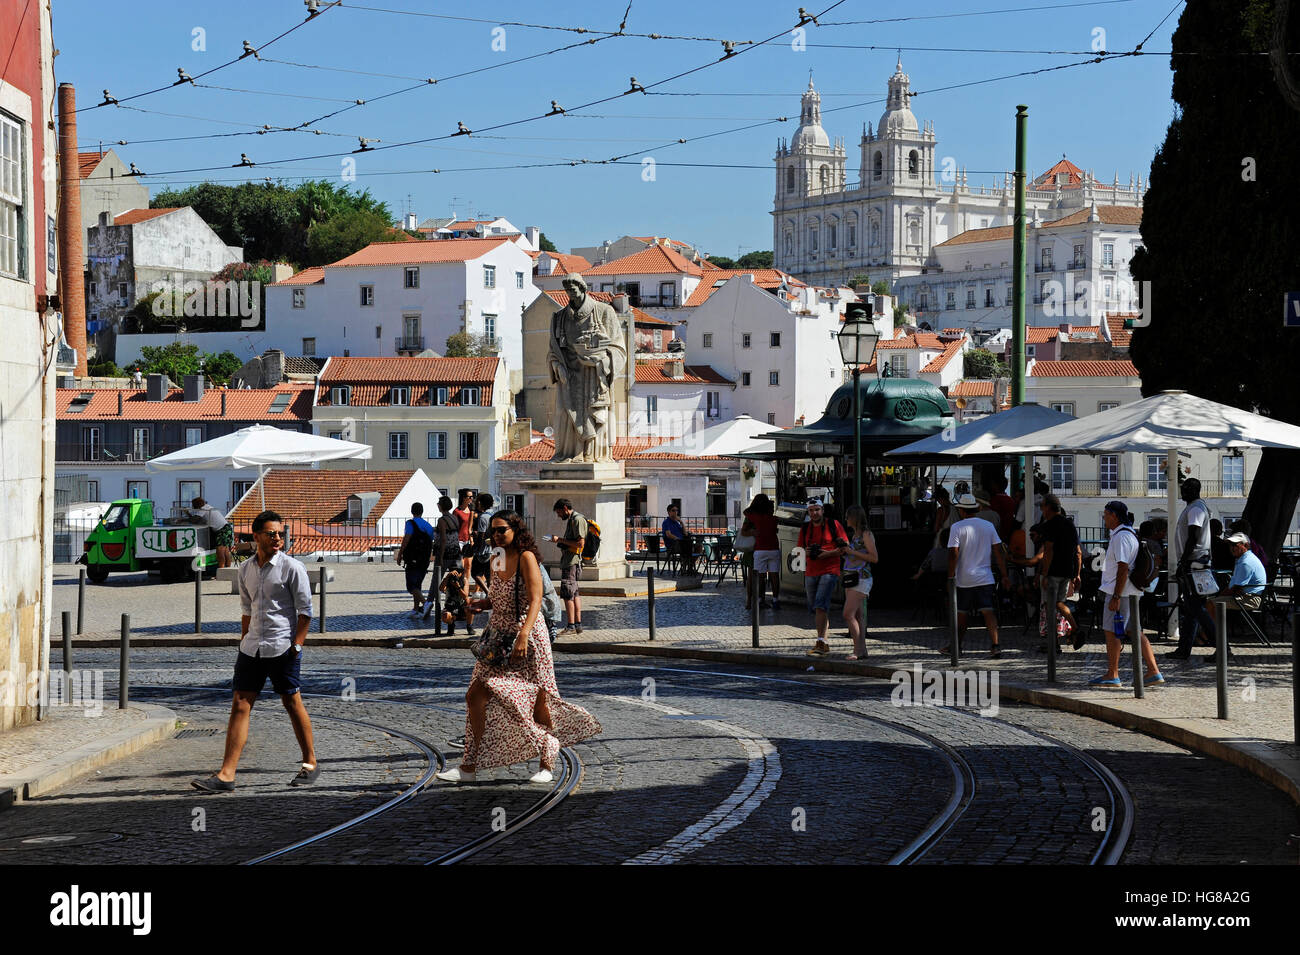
column 707, row 266
column 371, row 379
column 567, row 263
column 763, row 278
column 1083, row 369
column 320, row 496
column 1048, row 179
column 656, row 260
column 1042, row 334
column 992, row 233
column 242, row 404
column 652, row 371
column 561, row 298
column 132, row 216
column 939, row 362
column 302, row 543
column 1120, row 336
column 1110, row 215
column 419, row 253
column 928, row 341
column 86, row 163
column 312, row 276
column 971, row 389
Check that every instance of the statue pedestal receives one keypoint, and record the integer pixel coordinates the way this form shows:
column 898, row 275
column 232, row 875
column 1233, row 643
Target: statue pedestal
column 598, row 491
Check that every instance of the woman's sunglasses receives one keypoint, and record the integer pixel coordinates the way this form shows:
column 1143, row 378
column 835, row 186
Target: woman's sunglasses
column 499, row 530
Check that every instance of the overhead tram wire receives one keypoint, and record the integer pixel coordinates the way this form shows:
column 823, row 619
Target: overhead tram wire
column 519, row 122
column 976, row 13
column 328, row 5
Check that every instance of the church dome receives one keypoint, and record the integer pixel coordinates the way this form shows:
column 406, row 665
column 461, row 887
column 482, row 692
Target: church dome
column 897, row 117
column 810, row 132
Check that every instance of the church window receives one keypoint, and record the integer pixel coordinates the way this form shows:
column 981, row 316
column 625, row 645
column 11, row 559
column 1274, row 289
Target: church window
column 831, row 236
column 913, row 164
column 878, row 165
column 789, row 179
column 853, row 233
column 812, row 238
column 913, row 232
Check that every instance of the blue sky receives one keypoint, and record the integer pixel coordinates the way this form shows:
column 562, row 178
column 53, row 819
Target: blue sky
column 1109, row 117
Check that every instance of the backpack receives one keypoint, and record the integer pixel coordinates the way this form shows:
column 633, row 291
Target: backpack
column 1146, row 565
column 420, row 547
column 552, row 606
column 591, row 544
column 448, row 530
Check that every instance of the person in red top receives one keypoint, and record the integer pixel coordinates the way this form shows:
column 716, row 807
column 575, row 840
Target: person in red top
column 767, row 549
column 824, row 543
column 1004, row 505
column 466, row 514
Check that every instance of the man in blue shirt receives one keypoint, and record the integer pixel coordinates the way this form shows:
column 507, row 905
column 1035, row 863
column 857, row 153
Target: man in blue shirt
column 1246, row 588
column 416, row 549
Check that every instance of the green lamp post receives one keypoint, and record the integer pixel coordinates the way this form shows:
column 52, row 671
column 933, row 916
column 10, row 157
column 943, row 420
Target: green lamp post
column 857, row 340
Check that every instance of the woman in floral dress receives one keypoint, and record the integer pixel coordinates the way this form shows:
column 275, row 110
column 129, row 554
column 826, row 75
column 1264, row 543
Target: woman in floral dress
column 514, row 715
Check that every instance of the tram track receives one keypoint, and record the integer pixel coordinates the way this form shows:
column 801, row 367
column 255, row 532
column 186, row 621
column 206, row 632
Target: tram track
column 565, row 784
column 1119, row 818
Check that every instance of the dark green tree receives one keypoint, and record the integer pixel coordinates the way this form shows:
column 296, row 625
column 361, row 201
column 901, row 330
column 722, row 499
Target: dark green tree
column 982, row 363
column 544, row 244
column 465, row 345
column 1226, row 170
column 755, row 260
column 880, row 288
column 175, row 361
column 859, row 279
column 220, row 367
column 722, row 262
column 348, row 232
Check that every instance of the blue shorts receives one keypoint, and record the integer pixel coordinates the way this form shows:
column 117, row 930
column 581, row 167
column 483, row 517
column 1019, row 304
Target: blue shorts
column 972, row 599
column 284, row 671
column 818, row 590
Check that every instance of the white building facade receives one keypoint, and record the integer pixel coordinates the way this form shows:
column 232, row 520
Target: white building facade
column 402, row 298
column 827, row 229
column 780, row 349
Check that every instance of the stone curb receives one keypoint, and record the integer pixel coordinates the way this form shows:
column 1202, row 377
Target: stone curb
column 43, row 777
column 1256, row 757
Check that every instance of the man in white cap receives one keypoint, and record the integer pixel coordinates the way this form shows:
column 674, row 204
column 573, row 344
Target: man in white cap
column 973, row 545
column 1245, row 591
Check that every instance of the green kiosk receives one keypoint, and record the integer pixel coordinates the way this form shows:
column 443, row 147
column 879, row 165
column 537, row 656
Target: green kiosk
column 816, row 461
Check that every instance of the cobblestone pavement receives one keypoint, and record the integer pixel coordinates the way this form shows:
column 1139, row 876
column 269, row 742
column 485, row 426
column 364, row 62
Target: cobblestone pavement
column 367, row 603
column 705, row 764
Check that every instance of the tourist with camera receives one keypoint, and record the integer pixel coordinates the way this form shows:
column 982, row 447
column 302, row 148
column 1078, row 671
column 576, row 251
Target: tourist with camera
column 823, row 543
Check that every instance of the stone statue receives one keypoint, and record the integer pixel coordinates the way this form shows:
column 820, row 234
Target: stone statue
column 587, row 352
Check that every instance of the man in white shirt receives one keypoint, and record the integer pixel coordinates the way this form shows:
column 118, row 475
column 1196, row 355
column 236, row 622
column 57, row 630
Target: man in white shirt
column 1121, row 596
column 220, row 529
column 973, row 545
column 275, row 603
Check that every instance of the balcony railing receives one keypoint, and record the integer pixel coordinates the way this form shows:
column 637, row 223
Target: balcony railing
column 112, row 453
column 1045, row 267
column 1077, row 264
column 1093, row 487
column 408, row 343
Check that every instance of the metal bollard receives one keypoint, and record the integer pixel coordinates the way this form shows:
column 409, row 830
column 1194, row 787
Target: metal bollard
column 1295, row 677
column 81, row 600
column 954, row 650
column 1221, row 656
column 322, row 599
column 67, row 641
column 435, row 594
column 1051, row 627
column 755, row 589
column 1130, row 606
column 123, row 687
column 198, row 598
column 650, row 599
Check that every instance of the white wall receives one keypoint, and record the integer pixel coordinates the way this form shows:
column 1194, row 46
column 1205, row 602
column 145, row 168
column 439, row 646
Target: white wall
column 682, row 407
column 334, row 317
column 808, row 360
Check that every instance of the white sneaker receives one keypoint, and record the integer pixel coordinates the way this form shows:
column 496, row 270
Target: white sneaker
column 542, row 776
column 455, row 776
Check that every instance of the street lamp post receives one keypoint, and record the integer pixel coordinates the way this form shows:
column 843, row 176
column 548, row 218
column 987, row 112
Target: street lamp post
column 857, row 340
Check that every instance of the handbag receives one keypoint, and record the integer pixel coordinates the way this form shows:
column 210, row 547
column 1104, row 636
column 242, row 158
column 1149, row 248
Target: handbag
column 493, row 646
column 746, row 544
